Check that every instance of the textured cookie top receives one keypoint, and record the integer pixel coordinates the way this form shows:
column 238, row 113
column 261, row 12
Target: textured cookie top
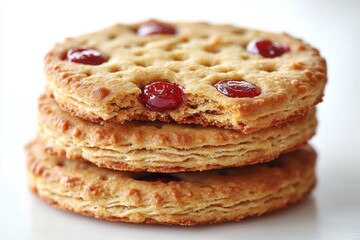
column 196, row 57
column 165, row 147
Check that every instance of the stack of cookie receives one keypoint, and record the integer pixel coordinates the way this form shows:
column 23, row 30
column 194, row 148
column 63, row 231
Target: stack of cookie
column 183, row 123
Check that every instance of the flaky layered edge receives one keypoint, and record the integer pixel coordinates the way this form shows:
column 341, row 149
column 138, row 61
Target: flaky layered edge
column 165, row 147
column 191, row 201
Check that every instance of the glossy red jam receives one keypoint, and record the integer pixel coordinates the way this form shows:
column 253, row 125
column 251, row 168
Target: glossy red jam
column 267, row 48
column 237, row 88
column 155, row 27
column 85, row 55
column 162, row 96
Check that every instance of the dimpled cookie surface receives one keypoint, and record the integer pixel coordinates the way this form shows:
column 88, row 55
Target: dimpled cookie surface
column 197, row 73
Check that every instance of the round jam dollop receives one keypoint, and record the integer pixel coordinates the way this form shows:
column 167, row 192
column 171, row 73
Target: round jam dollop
column 267, row 48
column 155, row 27
column 85, row 55
column 237, row 88
column 162, row 96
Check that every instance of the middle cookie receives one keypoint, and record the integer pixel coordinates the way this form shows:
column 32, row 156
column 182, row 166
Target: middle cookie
column 165, row 147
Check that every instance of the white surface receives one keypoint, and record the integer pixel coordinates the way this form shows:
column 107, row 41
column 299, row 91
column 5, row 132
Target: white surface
column 29, row 29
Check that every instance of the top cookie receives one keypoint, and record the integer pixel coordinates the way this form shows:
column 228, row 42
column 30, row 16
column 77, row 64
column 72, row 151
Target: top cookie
column 217, row 75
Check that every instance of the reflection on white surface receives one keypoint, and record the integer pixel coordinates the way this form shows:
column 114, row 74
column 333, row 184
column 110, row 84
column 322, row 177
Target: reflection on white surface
column 27, row 32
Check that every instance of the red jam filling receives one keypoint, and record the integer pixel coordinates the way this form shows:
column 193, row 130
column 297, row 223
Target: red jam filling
column 237, row 88
column 267, row 48
column 85, row 55
column 155, row 27
column 162, row 96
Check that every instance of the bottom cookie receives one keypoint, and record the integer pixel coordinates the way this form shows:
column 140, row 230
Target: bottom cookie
column 187, row 198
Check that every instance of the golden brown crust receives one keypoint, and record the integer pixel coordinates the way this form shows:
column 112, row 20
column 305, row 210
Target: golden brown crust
column 165, row 147
column 199, row 56
column 189, row 199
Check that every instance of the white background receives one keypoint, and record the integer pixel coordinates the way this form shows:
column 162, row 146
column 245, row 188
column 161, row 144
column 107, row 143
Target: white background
column 29, row 28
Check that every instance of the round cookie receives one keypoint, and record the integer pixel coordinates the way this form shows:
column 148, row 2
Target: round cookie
column 210, row 64
column 165, row 147
column 180, row 198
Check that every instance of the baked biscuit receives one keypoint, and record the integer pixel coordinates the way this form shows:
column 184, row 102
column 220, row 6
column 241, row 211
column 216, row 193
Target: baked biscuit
column 165, row 147
column 196, row 73
column 180, row 198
